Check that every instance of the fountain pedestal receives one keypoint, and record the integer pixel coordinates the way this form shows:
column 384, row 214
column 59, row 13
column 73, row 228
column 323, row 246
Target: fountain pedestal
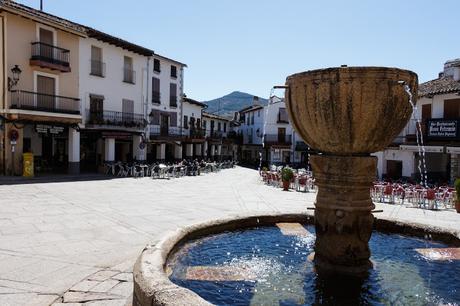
column 343, row 218
column 346, row 113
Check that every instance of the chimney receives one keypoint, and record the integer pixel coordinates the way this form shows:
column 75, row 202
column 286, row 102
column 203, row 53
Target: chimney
column 452, row 69
column 255, row 100
column 441, row 75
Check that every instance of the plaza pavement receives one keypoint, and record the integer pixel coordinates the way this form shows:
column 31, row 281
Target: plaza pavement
column 74, row 243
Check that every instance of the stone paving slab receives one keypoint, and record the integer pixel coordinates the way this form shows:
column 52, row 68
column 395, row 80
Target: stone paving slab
column 56, row 235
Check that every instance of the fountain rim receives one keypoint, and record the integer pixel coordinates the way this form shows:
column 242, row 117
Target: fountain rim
column 353, row 70
column 152, row 285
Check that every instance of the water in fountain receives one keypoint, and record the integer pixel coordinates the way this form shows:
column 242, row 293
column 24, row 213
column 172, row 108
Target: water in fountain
column 419, row 136
column 272, row 92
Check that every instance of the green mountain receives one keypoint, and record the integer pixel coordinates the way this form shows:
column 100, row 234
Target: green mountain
column 233, row 102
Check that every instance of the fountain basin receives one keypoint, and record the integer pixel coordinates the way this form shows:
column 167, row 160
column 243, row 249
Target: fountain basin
column 152, row 285
column 350, row 110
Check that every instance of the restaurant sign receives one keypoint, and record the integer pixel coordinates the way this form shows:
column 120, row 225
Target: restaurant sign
column 442, row 129
column 49, row 129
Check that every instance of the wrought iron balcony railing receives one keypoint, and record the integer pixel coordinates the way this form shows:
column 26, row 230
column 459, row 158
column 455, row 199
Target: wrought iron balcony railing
column 216, row 135
column 197, row 133
column 28, row 100
column 50, row 56
column 112, row 118
column 278, row 139
column 97, row 68
column 157, row 131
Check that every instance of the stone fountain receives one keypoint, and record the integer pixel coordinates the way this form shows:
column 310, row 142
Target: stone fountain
column 345, row 114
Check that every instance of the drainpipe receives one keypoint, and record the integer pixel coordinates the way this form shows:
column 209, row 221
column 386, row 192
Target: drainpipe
column 146, row 109
column 182, row 96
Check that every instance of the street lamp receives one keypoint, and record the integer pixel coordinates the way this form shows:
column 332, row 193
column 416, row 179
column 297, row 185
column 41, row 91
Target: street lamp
column 16, row 71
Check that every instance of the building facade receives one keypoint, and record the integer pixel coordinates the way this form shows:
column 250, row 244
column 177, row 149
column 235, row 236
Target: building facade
column 113, row 79
column 267, row 132
column 438, row 111
column 40, row 108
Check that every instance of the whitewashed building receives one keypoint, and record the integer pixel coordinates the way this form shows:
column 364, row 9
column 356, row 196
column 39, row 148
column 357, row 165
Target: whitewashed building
column 220, row 143
column 113, row 82
column 438, row 110
column 279, row 140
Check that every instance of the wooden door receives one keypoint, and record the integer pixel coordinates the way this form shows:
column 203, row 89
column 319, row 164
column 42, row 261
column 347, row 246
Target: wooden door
column 281, row 135
column 96, row 110
column 46, row 91
column 164, row 125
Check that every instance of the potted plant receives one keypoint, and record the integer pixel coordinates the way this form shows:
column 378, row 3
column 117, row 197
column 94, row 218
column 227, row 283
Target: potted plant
column 286, row 176
column 457, row 199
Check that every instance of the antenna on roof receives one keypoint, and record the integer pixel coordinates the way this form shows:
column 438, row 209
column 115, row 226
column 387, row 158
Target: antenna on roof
column 41, row 5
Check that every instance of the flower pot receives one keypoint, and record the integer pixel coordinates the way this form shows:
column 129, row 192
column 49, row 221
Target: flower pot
column 457, row 206
column 286, row 185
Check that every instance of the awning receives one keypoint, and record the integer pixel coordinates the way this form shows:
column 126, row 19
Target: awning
column 453, row 150
column 429, row 149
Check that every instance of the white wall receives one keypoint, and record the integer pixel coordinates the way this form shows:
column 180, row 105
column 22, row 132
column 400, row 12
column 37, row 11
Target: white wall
column 111, row 86
column 165, row 79
column 407, row 158
column 190, row 110
column 216, row 125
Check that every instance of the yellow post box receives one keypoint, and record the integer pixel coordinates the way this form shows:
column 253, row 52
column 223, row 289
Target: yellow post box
column 28, row 165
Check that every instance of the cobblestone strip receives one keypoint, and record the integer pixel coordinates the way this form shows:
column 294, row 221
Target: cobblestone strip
column 107, row 287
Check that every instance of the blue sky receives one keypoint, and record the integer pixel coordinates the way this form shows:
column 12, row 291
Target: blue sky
column 250, row 45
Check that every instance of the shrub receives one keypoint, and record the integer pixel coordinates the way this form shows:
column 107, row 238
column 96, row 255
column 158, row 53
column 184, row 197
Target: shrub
column 457, row 188
column 287, row 174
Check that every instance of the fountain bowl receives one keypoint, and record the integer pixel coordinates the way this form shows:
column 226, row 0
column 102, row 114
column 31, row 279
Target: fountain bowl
column 152, row 285
column 350, row 110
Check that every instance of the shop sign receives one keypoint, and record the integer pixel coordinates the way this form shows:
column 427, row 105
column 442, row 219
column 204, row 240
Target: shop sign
column 49, row 129
column 442, row 128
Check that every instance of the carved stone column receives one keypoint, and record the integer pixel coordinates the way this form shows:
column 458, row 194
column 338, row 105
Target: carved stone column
column 343, row 218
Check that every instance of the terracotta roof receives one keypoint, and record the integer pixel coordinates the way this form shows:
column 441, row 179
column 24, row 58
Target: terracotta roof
column 93, row 33
column 439, row 86
column 26, row 11
column 191, row 101
column 209, row 115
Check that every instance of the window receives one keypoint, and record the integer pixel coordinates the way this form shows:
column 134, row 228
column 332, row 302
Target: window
column 258, row 113
column 225, row 127
column 46, row 36
column 128, row 72
column 173, row 71
column 282, row 116
column 173, row 95
column 97, row 66
column 127, row 110
column 219, row 126
column 198, row 123
column 96, row 109
column 156, row 65
column 452, row 109
column 46, row 91
column 252, row 119
column 185, row 122
column 156, row 98
column 204, row 124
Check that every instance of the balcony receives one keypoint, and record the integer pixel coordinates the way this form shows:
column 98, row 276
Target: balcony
column 97, row 68
column 278, row 139
column 129, row 76
column 197, row 133
column 118, row 119
column 216, row 135
column 27, row 100
column 159, row 132
column 49, row 56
